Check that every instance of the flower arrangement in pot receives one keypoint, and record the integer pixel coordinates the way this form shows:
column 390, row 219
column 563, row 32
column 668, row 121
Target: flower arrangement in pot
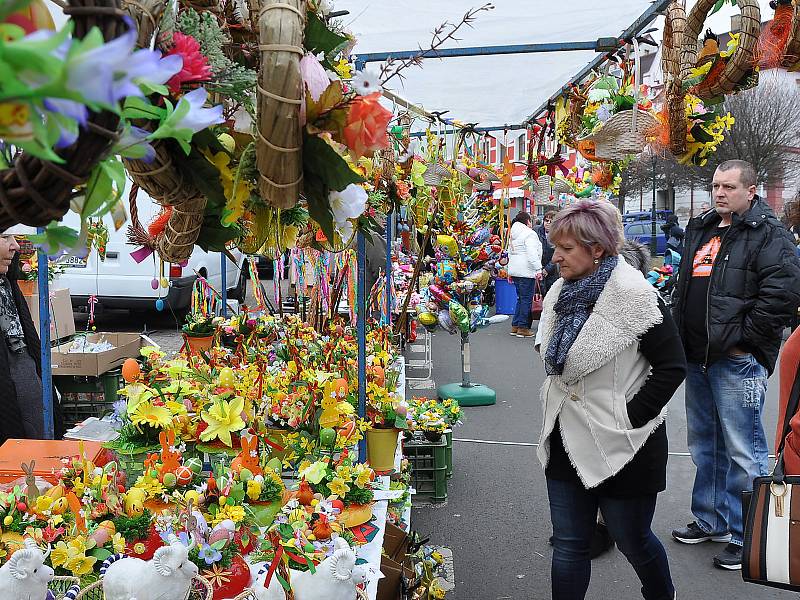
column 30, row 271
column 198, row 332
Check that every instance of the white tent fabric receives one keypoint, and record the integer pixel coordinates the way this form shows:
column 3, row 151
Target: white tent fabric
column 494, row 90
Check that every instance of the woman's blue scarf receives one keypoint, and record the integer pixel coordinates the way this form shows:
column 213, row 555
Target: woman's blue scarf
column 573, row 307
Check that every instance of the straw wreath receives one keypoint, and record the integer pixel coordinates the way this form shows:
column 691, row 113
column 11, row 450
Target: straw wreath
column 738, row 65
column 34, row 191
column 280, row 96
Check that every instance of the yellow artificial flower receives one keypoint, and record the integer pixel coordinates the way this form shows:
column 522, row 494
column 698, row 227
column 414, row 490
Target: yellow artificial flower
column 363, row 477
column 338, row 487
column 151, row 352
column 178, row 368
column 118, row 543
column 146, row 413
column 345, row 472
column 72, row 555
column 343, row 69
column 224, row 418
column 315, row 472
column 136, row 392
column 230, row 511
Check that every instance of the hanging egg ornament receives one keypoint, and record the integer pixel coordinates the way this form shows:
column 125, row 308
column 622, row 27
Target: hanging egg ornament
column 159, row 305
column 154, row 283
column 164, row 282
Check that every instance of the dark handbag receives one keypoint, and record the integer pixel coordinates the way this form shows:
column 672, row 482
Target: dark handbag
column 771, row 553
column 538, row 301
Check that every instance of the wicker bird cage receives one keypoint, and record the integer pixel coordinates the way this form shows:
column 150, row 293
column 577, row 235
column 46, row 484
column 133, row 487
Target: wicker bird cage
column 674, row 27
column 200, row 589
column 34, row 191
column 738, row 67
column 280, row 97
column 61, row 585
column 547, row 186
column 436, row 174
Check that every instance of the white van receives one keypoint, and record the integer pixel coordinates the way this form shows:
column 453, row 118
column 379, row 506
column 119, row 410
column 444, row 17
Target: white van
column 120, row 282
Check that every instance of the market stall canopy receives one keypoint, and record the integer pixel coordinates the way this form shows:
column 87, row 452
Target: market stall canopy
column 494, row 90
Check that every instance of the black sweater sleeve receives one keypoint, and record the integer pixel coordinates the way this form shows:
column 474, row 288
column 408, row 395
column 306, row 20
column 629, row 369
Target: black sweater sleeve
column 661, row 346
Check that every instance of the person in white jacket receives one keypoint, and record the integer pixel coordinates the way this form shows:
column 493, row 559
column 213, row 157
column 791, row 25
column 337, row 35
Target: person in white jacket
column 524, row 267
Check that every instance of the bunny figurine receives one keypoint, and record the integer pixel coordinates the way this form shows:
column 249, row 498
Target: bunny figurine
column 170, row 458
column 30, row 482
column 248, row 457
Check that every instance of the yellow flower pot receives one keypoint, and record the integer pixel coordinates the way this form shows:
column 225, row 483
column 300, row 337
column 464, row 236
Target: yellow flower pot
column 381, row 448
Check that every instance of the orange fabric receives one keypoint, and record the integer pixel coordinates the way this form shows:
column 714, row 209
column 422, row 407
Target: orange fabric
column 790, row 360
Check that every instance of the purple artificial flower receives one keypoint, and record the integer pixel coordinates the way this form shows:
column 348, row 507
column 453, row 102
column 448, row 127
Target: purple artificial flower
column 199, row 118
column 135, row 137
column 68, row 108
column 209, row 554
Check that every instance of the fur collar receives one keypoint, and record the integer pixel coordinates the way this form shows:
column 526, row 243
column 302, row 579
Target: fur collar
column 626, row 309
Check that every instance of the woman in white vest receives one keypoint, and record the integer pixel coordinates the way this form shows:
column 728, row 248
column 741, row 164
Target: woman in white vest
column 613, row 360
column 524, row 267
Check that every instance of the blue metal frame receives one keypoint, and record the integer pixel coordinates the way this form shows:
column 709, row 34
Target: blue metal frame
column 224, row 283
column 361, row 296
column 44, row 347
column 389, row 269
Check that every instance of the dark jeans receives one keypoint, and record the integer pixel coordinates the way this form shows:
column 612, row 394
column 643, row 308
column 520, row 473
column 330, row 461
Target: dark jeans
column 573, row 511
column 522, row 314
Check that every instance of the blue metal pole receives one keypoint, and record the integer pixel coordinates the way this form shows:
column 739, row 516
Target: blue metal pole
column 361, row 307
column 389, row 268
column 44, row 347
column 484, row 51
column 224, row 276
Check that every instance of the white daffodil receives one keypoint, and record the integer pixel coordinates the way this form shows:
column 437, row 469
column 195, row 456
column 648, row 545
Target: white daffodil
column 350, row 203
column 366, row 82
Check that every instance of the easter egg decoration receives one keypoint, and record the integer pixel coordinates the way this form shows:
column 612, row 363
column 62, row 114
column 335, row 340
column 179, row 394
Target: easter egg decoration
column 131, row 370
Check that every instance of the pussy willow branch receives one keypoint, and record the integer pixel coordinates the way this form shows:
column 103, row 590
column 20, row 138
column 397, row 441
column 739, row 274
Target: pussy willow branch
column 442, row 34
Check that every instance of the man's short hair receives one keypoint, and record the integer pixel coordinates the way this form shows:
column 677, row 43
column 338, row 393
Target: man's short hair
column 747, row 174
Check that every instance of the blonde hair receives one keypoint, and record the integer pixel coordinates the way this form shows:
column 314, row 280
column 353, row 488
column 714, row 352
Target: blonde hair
column 590, row 222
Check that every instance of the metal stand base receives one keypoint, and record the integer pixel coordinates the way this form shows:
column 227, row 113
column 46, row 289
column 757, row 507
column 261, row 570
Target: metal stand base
column 475, row 394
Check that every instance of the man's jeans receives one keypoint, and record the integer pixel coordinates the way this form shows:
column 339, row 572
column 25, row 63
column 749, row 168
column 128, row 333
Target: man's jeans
column 573, row 511
column 522, row 314
column 726, row 439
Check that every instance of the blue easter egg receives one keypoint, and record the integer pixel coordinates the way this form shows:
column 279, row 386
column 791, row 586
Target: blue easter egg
column 159, row 305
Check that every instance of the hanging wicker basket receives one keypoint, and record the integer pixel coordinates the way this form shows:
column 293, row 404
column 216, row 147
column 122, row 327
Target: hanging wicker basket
column 35, row 191
column 436, row 174
column 738, row 67
column 674, row 28
column 791, row 56
column 280, row 97
column 200, row 590
column 161, row 179
column 547, row 186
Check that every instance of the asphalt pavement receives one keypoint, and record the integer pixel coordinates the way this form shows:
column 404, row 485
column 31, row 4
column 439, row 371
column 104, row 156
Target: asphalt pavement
column 496, row 518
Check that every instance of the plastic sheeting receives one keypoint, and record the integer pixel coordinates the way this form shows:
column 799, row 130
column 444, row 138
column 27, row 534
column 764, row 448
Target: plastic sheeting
column 494, row 90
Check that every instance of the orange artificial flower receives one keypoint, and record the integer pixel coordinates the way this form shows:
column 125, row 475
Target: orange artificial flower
column 365, row 131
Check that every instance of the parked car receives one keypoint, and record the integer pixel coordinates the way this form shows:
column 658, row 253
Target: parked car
column 645, row 215
column 120, row 282
column 642, row 231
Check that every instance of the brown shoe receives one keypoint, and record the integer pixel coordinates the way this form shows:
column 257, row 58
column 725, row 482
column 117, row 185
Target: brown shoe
column 514, row 330
column 525, row 333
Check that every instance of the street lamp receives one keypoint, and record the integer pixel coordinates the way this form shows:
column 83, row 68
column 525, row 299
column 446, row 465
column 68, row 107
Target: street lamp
column 653, row 245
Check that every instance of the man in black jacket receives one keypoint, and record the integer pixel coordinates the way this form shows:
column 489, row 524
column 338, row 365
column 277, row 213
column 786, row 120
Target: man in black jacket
column 737, row 287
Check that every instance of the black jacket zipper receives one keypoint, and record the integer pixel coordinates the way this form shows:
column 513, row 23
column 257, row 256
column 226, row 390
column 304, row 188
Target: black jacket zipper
column 708, row 292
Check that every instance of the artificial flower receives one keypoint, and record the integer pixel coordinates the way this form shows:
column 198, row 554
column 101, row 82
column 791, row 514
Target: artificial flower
column 366, row 82
column 343, row 69
column 133, row 144
column 350, row 203
column 338, row 487
column 195, row 64
column 314, row 473
column 146, row 413
column 365, row 131
column 314, row 76
column 209, row 554
column 189, row 117
column 233, row 512
column 223, row 419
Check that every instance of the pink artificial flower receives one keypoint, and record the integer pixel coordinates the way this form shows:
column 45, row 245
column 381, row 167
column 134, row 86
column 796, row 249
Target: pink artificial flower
column 195, row 63
column 367, row 120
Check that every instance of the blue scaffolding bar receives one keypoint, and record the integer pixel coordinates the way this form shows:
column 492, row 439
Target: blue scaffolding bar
column 361, row 303
column 44, row 336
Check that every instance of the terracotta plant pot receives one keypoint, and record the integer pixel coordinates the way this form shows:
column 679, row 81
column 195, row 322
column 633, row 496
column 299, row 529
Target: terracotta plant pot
column 381, row 448
column 197, row 344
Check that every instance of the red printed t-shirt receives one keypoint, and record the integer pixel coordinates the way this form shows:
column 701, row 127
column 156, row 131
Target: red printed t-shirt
column 696, row 339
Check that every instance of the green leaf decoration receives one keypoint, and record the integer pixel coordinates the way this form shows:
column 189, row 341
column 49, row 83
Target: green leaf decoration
column 55, row 237
column 100, row 554
column 321, row 159
column 140, row 108
column 318, row 38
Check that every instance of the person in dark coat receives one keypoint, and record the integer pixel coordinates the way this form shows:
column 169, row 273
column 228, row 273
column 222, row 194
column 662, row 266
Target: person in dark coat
column 550, row 270
column 20, row 359
column 674, row 234
column 737, row 287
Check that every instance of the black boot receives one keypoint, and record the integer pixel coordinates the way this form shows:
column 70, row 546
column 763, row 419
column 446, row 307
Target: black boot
column 601, row 541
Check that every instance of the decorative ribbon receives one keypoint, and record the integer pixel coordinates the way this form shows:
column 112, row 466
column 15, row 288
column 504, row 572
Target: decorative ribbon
column 140, row 254
column 92, row 303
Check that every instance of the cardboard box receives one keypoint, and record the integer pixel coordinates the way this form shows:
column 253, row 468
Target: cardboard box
column 390, row 586
column 46, row 453
column 395, row 542
column 62, row 322
column 126, row 345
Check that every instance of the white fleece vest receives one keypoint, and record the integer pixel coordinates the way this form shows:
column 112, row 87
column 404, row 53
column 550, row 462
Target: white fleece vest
column 603, row 372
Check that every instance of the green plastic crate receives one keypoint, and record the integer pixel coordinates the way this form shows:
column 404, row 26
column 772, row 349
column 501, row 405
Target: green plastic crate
column 84, row 397
column 448, row 453
column 428, row 468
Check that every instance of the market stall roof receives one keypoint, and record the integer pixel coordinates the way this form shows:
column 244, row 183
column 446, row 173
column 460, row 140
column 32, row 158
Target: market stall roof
column 494, row 90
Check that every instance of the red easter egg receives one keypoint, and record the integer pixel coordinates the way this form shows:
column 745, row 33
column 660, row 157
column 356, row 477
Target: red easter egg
column 184, row 475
